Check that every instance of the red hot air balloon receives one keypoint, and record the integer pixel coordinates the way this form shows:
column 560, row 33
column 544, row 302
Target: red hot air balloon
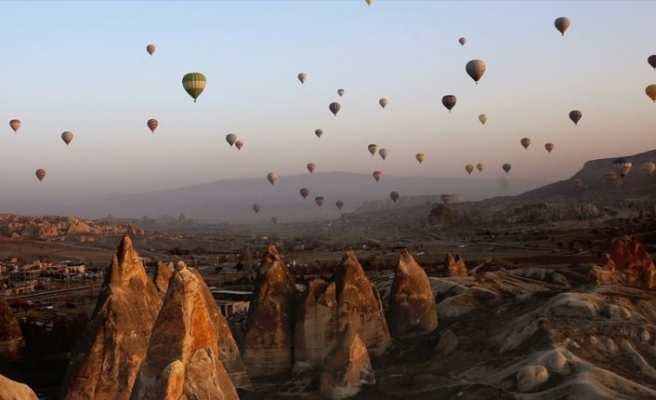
column 15, row 124
column 152, row 124
column 239, row 144
column 40, row 174
column 377, row 175
column 150, row 49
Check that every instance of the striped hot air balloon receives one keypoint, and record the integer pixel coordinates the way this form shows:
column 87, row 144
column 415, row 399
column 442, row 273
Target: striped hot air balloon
column 194, row 83
column 152, row 124
column 40, row 174
column 150, row 49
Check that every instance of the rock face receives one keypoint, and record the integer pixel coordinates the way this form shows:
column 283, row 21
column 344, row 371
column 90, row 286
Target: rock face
column 454, row 266
column 628, row 264
column 49, row 227
column 107, row 357
column 11, row 390
column 11, row 337
column 182, row 360
column 412, row 311
column 267, row 346
column 347, row 367
column 317, row 324
column 359, row 304
column 162, row 278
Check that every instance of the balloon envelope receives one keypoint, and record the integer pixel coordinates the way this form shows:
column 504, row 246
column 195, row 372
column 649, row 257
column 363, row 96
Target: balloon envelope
column 623, row 166
column 377, row 175
column 525, row 142
column 506, row 167
column 311, row 167
column 480, row 167
column 420, row 157
column 150, row 49
column 449, row 101
column 67, row 137
column 562, row 24
column 274, row 220
column 272, row 177
column 319, row 200
column 302, row 77
column 648, row 167
column 304, row 192
column 15, row 124
column 372, row 149
column 462, row 41
column 256, row 208
column 575, row 116
column 152, row 124
column 482, row 118
column 469, row 168
column 383, row 153
column 340, row 92
column 334, row 108
column 652, row 61
column 318, row 132
column 475, row 69
column 394, row 196
column 239, row 144
column 651, row 92
column 40, row 174
column 339, row 204
column 194, row 83
column 231, row 138
column 383, row 102
column 549, row 147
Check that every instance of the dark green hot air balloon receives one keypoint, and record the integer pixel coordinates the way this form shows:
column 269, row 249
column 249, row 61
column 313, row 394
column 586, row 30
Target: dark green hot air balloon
column 194, row 83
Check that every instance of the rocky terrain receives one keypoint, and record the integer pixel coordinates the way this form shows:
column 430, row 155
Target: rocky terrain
column 58, row 228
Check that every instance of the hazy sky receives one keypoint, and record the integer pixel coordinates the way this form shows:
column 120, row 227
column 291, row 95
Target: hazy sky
column 83, row 66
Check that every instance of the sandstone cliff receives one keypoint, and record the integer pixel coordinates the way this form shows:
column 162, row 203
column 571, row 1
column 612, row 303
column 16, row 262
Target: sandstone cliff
column 162, row 277
column 107, row 357
column 11, row 337
column 317, row 325
column 347, row 367
column 182, row 360
column 412, row 311
column 11, row 390
column 454, row 266
column 629, row 264
column 267, row 346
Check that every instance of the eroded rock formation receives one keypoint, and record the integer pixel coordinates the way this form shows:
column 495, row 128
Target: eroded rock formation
column 107, row 357
column 347, row 367
column 11, row 337
column 12, row 390
column 182, row 360
column 267, row 346
column 316, row 328
column 628, row 264
column 454, row 266
column 48, row 227
column 412, row 311
column 162, row 277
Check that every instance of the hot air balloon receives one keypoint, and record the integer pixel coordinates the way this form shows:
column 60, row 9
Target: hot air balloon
column 525, row 142
column 15, row 124
column 231, row 138
column 256, row 208
column 152, row 124
column 506, row 167
column 394, row 196
column 318, row 132
column 334, row 108
column 623, row 166
column 420, row 157
column 272, row 177
column 150, row 49
column 549, row 146
column 383, row 153
column 274, row 220
column 239, row 144
column 482, row 118
column 577, row 183
column 562, row 24
column 610, row 176
column 339, row 204
column 372, row 149
column 652, row 61
column 319, row 200
column 194, row 83
column 648, row 167
column 475, row 69
column 575, row 116
column 340, row 92
column 480, row 167
column 302, row 77
column 449, row 101
column 382, row 102
column 651, row 92
column 469, row 168
column 462, row 41
column 304, row 192
column 67, row 137
column 40, row 174
column 445, row 198
column 311, row 167
column 369, row 2
column 377, row 175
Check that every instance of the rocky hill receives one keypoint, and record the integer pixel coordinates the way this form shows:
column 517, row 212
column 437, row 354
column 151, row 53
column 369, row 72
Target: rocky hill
column 50, row 227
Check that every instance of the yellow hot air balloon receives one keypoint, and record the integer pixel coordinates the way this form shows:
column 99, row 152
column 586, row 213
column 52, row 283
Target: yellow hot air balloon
column 562, row 24
column 420, row 157
column 651, row 92
column 480, row 167
column 649, row 167
column 525, row 142
column 469, row 168
column 482, row 118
